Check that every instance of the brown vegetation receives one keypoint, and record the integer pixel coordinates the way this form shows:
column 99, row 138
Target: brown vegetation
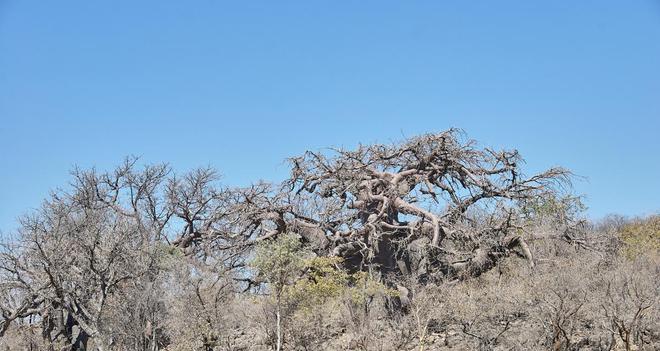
column 430, row 244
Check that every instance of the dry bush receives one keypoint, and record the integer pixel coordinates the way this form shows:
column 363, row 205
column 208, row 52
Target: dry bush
column 430, row 244
column 631, row 304
column 23, row 337
column 203, row 308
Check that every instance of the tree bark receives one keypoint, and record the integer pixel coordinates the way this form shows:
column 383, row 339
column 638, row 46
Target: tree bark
column 279, row 322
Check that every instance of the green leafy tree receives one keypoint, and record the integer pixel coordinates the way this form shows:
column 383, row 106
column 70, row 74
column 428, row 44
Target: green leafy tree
column 280, row 262
column 301, row 284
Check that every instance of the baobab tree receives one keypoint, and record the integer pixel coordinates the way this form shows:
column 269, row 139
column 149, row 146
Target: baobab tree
column 434, row 206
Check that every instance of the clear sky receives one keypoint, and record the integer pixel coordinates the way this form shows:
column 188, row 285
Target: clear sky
column 242, row 85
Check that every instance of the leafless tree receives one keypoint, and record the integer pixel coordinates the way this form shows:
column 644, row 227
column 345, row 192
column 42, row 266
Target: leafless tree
column 630, row 305
column 103, row 241
column 436, row 205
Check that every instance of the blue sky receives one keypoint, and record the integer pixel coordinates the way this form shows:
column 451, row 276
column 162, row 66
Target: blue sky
column 242, row 85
